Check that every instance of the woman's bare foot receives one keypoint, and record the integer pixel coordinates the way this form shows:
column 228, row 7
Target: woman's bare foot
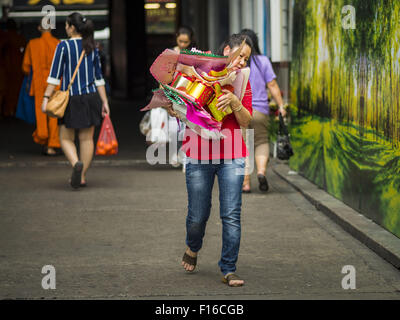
column 233, row 280
column 47, row 151
column 187, row 266
column 246, row 184
column 236, row 283
column 51, row 151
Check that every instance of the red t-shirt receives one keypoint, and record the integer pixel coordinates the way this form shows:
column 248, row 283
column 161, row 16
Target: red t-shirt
column 231, row 147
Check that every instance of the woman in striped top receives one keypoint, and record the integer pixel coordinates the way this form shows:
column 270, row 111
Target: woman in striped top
column 88, row 102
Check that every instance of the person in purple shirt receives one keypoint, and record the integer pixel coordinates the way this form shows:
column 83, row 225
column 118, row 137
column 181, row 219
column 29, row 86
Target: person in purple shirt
column 262, row 76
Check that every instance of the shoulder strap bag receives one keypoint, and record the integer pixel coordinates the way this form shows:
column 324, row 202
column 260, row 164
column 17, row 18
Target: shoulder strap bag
column 59, row 99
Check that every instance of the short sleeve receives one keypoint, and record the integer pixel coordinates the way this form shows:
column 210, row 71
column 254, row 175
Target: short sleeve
column 269, row 73
column 57, row 65
column 247, row 99
column 98, row 76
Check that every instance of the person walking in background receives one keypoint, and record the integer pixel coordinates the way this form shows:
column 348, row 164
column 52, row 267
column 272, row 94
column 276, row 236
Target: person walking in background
column 184, row 39
column 14, row 45
column 37, row 59
column 104, row 65
column 261, row 76
column 202, row 167
column 88, row 100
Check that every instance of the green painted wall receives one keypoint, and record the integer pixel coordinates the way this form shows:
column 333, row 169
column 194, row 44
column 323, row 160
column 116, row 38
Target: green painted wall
column 345, row 86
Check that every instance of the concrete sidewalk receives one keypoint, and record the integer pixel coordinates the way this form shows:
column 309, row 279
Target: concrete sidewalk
column 123, row 236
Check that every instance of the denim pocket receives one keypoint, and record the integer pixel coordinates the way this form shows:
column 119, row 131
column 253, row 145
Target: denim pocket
column 240, row 162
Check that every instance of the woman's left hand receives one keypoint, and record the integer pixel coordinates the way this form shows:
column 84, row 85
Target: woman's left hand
column 228, row 99
column 105, row 110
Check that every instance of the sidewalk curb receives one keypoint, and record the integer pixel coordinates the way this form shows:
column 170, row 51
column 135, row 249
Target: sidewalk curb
column 375, row 237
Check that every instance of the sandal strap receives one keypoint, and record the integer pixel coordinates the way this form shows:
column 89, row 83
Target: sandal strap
column 232, row 276
column 189, row 259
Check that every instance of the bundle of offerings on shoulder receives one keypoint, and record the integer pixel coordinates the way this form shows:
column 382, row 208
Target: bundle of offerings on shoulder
column 193, row 81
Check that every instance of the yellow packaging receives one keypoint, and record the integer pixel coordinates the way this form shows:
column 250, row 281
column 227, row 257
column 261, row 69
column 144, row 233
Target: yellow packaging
column 218, row 114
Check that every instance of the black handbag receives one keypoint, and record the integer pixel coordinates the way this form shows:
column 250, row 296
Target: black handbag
column 284, row 147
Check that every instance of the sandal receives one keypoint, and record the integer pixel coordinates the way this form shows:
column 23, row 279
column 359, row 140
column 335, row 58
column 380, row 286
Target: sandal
column 190, row 260
column 45, row 152
column 263, row 183
column 229, row 277
column 76, row 175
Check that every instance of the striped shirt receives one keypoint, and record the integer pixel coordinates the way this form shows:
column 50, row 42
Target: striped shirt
column 65, row 60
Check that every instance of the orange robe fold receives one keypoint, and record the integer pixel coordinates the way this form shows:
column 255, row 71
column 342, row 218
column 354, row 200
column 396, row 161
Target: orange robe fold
column 39, row 56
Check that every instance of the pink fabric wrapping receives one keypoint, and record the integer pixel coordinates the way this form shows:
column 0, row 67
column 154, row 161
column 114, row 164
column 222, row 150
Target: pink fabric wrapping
column 202, row 118
column 203, row 63
column 164, row 66
column 158, row 100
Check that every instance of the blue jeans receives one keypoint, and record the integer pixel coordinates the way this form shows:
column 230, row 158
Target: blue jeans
column 200, row 181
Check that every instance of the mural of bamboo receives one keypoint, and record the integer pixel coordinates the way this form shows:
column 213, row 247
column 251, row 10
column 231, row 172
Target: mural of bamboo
column 345, row 86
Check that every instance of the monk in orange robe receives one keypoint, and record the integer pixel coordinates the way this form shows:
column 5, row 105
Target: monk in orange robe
column 39, row 56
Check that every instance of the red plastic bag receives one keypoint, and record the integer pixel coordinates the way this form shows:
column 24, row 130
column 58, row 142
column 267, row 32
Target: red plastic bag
column 107, row 143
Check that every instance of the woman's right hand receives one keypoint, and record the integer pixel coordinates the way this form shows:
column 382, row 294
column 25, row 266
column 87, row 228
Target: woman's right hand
column 105, row 110
column 282, row 111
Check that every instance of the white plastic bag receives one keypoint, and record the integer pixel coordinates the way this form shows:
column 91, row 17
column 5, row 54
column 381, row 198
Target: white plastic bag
column 173, row 128
column 145, row 124
column 159, row 126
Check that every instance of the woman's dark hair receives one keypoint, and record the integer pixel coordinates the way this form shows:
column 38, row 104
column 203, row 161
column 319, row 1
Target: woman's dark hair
column 255, row 50
column 189, row 32
column 235, row 40
column 85, row 28
column 254, row 38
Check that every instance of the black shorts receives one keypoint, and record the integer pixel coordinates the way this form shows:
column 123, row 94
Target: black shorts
column 83, row 111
